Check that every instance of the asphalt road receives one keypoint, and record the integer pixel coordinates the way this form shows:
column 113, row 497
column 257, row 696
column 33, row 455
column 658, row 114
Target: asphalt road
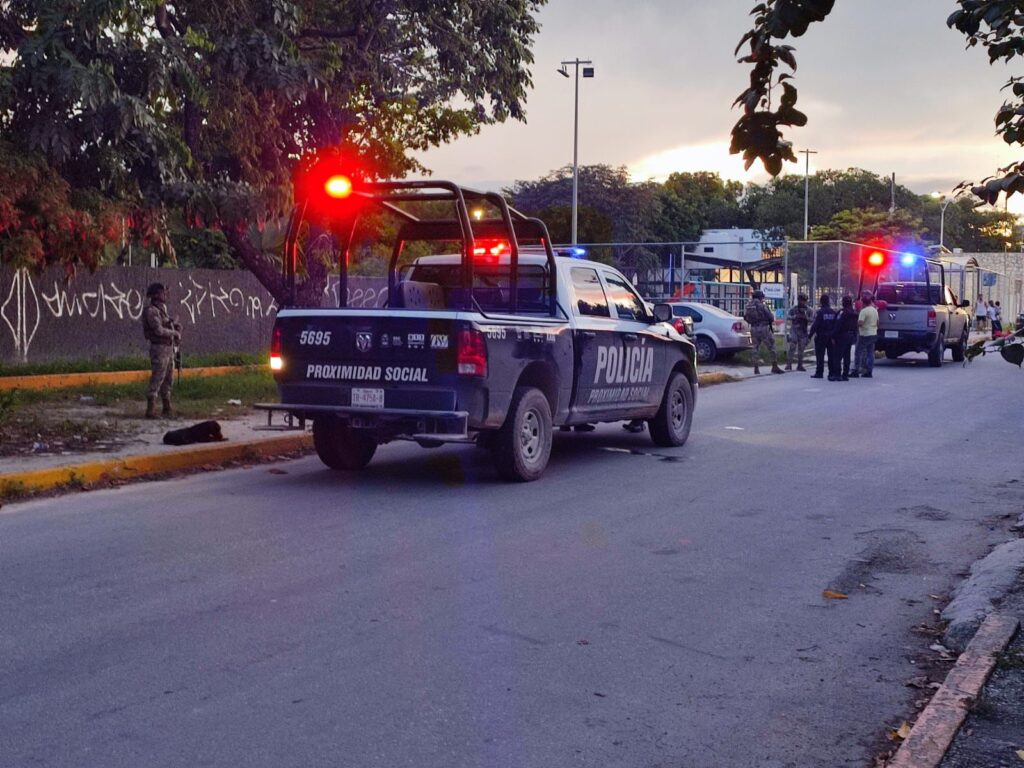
column 636, row 607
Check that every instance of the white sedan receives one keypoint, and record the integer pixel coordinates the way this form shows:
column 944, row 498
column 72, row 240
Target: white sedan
column 717, row 333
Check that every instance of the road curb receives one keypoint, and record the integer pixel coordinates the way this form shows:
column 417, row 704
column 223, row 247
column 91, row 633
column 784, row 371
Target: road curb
column 16, row 484
column 68, row 380
column 975, row 598
column 937, row 725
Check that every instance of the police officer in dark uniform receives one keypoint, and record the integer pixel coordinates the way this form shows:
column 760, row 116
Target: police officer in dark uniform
column 846, row 337
column 163, row 334
column 822, row 331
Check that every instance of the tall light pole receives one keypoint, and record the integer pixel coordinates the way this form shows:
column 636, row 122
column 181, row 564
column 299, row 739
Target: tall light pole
column 587, row 72
column 807, row 187
column 942, row 217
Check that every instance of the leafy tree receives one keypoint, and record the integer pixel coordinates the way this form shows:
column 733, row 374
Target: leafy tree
column 205, row 106
column 870, row 225
column 43, row 221
column 996, row 25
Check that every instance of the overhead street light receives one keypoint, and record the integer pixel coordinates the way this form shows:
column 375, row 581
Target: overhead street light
column 942, row 216
column 588, row 71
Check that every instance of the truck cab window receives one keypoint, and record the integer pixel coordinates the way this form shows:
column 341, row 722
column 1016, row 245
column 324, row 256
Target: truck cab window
column 627, row 303
column 590, row 298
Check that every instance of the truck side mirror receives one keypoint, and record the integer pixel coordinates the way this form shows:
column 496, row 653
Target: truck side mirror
column 662, row 313
column 964, row 304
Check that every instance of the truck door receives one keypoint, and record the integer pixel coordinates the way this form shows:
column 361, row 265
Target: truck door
column 640, row 374
column 596, row 341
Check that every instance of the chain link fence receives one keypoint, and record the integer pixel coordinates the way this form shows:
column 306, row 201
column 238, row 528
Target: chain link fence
column 722, row 272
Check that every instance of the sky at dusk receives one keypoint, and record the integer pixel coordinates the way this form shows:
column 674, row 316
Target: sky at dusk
column 885, row 85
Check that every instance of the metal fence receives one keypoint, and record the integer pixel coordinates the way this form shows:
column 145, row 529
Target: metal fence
column 671, row 270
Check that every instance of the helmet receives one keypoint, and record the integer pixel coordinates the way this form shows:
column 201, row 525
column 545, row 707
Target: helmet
column 154, row 289
column 758, row 294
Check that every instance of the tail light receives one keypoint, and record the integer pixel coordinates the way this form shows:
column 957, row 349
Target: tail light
column 931, row 318
column 737, row 327
column 472, row 354
column 276, row 361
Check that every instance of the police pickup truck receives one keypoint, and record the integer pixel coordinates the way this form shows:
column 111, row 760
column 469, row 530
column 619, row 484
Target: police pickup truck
column 918, row 312
column 494, row 345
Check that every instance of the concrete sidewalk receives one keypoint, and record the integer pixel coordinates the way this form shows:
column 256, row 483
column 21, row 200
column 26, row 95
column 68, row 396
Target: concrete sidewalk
column 145, row 454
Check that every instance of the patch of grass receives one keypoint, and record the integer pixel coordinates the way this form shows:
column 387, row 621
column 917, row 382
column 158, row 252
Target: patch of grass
column 1010, row 660
column 12, row 490
column 128, row 363
column 249, row 386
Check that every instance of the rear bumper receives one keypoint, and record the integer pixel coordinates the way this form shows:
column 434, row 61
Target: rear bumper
column 388, row 423
column 905, row 341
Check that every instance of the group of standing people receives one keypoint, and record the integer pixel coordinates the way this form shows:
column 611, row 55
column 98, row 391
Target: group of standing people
column 835, row 334
column 988, row 313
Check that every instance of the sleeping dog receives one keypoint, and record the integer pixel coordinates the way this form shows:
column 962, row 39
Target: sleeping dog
column 203, row 432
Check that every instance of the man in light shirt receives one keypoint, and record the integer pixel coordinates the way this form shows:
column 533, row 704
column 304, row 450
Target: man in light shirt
column 867, row 335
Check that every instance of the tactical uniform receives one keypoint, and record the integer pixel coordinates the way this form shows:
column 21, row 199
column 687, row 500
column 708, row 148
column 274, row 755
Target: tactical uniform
column 162, row 334
column 822, row 330
column 845, row 336
column 761, row 322
column 800, row 318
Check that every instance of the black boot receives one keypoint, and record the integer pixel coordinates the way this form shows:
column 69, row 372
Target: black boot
column 167, row 412
column 150, row 407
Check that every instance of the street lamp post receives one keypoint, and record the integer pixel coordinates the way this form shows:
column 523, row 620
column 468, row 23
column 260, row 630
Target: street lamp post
column 588, row 71
column 942, row 217
column 807, row 186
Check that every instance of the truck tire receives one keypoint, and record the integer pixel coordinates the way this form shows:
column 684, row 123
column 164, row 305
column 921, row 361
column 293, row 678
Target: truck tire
column 706, row 349
column 341, row 447
column 938, row 349
column 959, row 350
column 670, row 426
column 522, row 447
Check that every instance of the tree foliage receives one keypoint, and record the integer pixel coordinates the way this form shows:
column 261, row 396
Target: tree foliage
column 205, row 106
column 996, row 25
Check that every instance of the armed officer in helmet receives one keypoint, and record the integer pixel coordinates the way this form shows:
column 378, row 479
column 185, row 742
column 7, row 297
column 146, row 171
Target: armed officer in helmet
column 762, row 321
column 800, row 318
column 163, row 334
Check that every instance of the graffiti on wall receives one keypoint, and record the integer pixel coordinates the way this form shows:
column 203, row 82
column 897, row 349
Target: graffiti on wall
column 98, row 314
column 20, row 312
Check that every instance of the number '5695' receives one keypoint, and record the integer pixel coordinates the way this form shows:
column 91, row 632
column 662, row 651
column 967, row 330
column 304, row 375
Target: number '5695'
column 315, row 338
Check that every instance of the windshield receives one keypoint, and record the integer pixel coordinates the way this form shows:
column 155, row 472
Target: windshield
column 909, row 293
column 490, row 286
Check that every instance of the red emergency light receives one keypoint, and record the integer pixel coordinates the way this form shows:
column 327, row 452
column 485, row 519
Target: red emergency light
column 876, row 259
column 488, row 250
column 338, row 186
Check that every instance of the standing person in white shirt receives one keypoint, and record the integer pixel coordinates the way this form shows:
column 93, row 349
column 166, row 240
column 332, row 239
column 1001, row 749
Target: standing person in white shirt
column 993, row 318
column 980, row 314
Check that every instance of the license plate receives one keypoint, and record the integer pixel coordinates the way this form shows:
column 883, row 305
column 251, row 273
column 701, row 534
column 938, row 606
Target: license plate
column 367, row 398
column 892, row 334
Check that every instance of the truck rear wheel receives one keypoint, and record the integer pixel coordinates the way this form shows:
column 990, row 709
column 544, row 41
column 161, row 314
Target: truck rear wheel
column 671, row 424
column 938, row 350
column 341, row 447
column 522, row 446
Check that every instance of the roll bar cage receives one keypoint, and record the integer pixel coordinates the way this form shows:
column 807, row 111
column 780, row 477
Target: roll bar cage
column 516, row 227
column 927, row 275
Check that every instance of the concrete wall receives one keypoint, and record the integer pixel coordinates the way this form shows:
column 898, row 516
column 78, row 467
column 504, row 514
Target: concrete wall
column 1000, row 277
column 44, row 317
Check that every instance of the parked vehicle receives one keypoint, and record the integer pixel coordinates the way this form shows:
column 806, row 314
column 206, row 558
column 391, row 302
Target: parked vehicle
column 495, row 345
column 920, row 313
column 717, row 334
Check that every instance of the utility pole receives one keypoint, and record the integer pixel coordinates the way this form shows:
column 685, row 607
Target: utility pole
column 807, row 187
column 588, row 71
column 892, row 193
